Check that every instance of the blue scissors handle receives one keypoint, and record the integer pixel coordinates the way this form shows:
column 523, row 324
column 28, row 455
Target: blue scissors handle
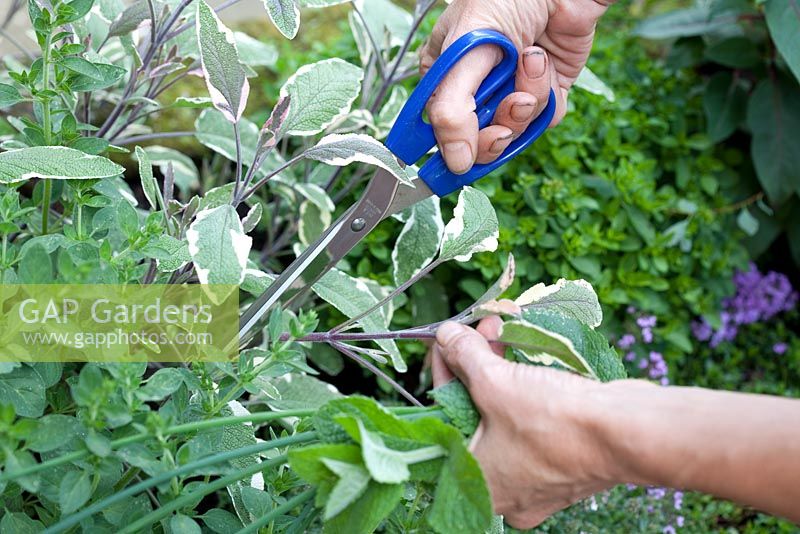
column 411, row 137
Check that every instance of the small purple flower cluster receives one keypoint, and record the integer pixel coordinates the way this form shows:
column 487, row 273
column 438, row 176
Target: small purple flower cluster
column 758, row 297
column 653, row 365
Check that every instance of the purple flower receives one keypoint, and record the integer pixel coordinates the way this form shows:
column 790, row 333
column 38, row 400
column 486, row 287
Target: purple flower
column 647, row 335
column 780, row 348
column 630, row 356
column 679, row 521
column 677, row 499
column 702, row 330
column 656, row 493
column 669, row 529
column 626, row 341
column 646, row 321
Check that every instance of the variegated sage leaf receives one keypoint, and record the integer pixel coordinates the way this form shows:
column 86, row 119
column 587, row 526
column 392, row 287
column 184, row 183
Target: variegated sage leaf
column 320, row 93
column 418, row 242
column 149, row 184
column 55, row 163
column 573, row 298
column 285, row 15
column 543, row 346
column 225, row 78
column 218, row 246
column 473, row 228
column 351, row 296
column 341, row 150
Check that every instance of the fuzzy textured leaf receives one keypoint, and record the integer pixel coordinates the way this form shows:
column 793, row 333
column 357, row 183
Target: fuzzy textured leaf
column 473, row 228
column 149, row 184
column 218, row 246
column 320, row 93
column 573, row 298
column 419, row 240
column 285, row 15
column 225, row 78
column 543, row 346
column 342, row 150
column 57, row 163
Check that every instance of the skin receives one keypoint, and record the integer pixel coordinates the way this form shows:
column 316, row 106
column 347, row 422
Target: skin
column 553, row 37
column 548, row 438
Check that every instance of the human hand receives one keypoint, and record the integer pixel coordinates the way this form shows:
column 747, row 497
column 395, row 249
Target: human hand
column 538, row 449
column 562, row 31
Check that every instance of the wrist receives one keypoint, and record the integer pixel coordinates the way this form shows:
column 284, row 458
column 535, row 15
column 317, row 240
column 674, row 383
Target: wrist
column 619, row 418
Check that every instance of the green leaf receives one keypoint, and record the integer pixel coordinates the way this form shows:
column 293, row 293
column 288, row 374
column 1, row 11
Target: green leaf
column 308, row 462
column 734, row 52
column 342, row 150
column 747, row 222
column 149, row 184
column 588, row 81
column 81, row 66
column 320, row 93
column 52, row 431
column 725, row 101
column 9, row 95
column 573, row 298
column 457, row 405
column 783, row 21
column 161, row 384
column 225, row 78
column 24, row 389
column 255, row 501
column 353, row 481
column 129, row 20
column 74, row 490
column 773, row 115
column 54, row 162
column 686, row 22
column 221, row 521
column 473, row 228
column 218, row 246
column 19, row 523
column 385, row 465
column 418, row 242
column 255, row 53
column 181, row 524
column 540, row 345
column 285, row 15
column 604, row 362
column 368, row 511
column 300, row 392
column 313, row 222
column 35, row 266
column 351, row 296
column 461, row 501
column 184, row 169
column 109, row 75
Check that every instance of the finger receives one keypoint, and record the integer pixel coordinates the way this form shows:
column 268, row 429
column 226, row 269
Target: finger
column 439, row 371
column 465, row 352
column 492, row 141
column 489, row 328
column 533, row 82
column 452, row 108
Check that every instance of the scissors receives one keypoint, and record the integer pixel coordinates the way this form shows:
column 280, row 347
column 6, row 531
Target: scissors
column 409, row 140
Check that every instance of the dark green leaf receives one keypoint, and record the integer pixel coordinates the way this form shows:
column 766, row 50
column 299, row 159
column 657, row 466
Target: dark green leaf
column 457, row 405
column 783, row 21
column 8, row 95
column 74, row 490
column 724, row 103
column 735, row 52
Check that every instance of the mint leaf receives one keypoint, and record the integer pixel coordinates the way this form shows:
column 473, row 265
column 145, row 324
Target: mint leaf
column 457, row 405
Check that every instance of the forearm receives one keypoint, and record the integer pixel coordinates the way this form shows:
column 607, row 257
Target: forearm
column 741, row 447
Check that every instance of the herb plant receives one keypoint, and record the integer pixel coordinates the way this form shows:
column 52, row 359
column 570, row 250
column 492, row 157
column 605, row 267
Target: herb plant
column 259, row 442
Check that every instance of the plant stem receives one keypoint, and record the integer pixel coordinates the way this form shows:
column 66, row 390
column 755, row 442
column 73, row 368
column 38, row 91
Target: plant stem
column 344, row 349
column 185, row 428
column 333, row 337
column 193, row 496
column 150, row 137
column 47, row 127
column 218, row 458
column 238, row 138
column 405, row 285
column 268, row 177
column 295, row 501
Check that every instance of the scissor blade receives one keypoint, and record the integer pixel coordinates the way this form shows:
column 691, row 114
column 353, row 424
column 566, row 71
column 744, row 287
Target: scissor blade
column 381, row 199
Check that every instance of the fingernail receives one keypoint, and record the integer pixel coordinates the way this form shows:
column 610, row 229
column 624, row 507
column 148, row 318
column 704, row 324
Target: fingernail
column 448, row 332
column 522, row 112
column 459, row 156
column 500, row 144
column 535, row 62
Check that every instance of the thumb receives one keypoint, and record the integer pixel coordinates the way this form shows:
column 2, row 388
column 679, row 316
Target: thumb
column 466, row 353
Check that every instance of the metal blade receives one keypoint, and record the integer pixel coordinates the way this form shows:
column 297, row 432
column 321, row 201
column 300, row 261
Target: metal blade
column 382, row 198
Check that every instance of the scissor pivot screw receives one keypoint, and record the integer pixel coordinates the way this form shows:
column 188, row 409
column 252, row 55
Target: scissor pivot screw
column 358, row 224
